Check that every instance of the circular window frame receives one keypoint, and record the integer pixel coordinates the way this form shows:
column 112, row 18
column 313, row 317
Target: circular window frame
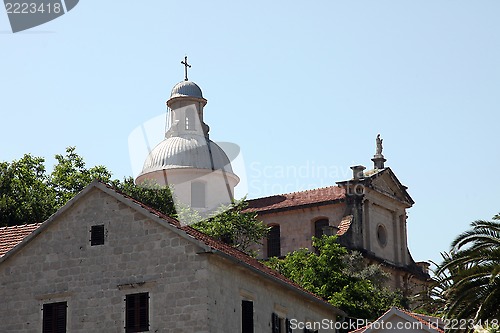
column 382, row 235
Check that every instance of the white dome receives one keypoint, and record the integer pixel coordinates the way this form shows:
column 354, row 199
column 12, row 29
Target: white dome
column 187, row 151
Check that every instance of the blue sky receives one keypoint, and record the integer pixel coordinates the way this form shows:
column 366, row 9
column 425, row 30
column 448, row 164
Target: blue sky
column 302, row 87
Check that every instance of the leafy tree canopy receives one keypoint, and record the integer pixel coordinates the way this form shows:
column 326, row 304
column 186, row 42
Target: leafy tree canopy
column 29, row 194
column 341, row 277
column 233, row 226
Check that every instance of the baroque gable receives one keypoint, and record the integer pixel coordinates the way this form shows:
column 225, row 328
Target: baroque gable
column 386, row 183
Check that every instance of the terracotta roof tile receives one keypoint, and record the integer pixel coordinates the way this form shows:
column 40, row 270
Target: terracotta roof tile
column 344, row 225
column 296, row 199
column 11, row 236
column 434, row 323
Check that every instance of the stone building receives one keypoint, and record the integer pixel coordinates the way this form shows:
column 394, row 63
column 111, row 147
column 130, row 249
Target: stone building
column 106, row 263
column 367, row 212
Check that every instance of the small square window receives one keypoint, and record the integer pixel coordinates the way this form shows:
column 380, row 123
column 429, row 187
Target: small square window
column 97, row 235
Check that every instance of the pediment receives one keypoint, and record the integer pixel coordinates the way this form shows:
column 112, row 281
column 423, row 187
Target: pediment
column 386, row 183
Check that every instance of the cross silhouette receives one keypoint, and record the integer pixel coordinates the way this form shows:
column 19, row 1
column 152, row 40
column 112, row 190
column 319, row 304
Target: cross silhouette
column 186, row 65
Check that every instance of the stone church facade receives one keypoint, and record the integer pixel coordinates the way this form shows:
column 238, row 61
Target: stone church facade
column 366, row 212
column 107, row 263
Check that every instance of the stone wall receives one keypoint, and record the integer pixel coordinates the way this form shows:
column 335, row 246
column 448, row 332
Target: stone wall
column 139, row 255
column 297, row 226
column 229, row 285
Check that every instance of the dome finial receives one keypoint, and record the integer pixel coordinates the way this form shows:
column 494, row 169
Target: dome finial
column 186, row 65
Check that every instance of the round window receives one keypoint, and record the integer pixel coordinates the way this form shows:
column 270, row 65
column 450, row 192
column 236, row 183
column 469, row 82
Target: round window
column 382, row 235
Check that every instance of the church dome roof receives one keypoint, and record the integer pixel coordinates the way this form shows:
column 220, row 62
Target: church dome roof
column 186, row 89
column 191, row 151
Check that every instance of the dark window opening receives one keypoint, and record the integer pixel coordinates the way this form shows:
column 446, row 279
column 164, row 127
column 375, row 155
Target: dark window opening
column 276, row 323
column 246, row 316
column 280, row 325
column 319, row 226
column 274, row 242
column 97, row 235
column 54, row 317
column 198, row 194
column 137, row 312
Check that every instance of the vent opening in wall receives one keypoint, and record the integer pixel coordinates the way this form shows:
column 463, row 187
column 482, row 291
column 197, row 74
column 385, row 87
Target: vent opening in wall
column 381, row 235
column 97, row 235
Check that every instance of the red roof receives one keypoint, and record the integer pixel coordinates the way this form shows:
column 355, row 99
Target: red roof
column 434, row 323
column 296, row 199
column 11, row 236
column 344, row 225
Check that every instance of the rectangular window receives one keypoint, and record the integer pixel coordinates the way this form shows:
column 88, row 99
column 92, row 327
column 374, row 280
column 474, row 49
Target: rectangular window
column 137, row 312
column 97, row 235
column 198, row 195
column 246, row 316
column 274, row 242
column 54, row 317
column 281, row 325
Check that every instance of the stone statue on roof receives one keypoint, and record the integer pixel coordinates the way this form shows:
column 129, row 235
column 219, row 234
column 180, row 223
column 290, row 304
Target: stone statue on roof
column 379, row 145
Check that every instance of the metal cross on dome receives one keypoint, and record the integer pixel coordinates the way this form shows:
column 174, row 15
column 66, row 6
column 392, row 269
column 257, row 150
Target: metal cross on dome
column 186, row 65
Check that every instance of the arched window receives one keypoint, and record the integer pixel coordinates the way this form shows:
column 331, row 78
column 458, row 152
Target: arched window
column 274, row 242
column 190, row 119
column 318, row 227
column 198, row 195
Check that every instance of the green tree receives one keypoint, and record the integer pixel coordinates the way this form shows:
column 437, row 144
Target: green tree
column 233, row 226
column 70, row 175
column 341, row 277
column 472, row 270
column 150, row 194
column 28, row 194
column 25, row 192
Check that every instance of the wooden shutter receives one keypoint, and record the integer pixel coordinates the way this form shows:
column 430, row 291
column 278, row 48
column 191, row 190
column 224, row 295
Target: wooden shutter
column 246, row 316
column 276, row 323
column 54, row 317
column 137, row 312
column 288, row 326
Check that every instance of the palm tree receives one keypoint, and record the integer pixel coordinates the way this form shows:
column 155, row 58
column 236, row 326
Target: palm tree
column 472, row 285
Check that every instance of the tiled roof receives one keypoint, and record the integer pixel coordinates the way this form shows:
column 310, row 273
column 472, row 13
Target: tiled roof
column 11, row 236
column 296, row 199
column 344, row 225
column 433, row 323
